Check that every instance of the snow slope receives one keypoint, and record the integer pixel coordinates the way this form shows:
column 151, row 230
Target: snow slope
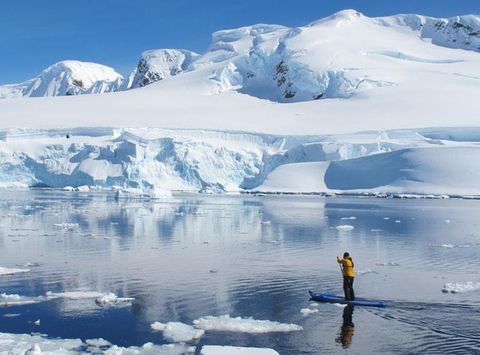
column 69, row 77
column 344, row 73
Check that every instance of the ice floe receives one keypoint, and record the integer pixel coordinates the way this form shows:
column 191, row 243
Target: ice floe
column 448, row 246
column 235, row 350
column 36, row 345
column 308, row 311
column 75, row 295
column 17, row 300
column 226, row 323
column 11, row 271
column 460, row 287
column 177, row 332
column 344, row 228
column 349, row 218
column 111, row 299
column 66, row 226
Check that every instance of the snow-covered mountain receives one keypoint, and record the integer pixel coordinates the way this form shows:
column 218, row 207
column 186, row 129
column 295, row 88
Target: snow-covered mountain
column 68, row 77
column 344, row 104
column 335, row 57
column 158, row 64
column 346, row 72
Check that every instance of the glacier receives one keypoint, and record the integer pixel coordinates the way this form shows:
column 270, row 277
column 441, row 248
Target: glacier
column 153, row 161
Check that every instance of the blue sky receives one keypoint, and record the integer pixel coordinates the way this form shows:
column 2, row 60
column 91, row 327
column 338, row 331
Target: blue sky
column 37, row 33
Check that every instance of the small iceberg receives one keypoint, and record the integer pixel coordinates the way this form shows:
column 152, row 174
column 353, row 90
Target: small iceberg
column 344, row 228
column 461, row 287
column 177, row 332
column 226, row 323
column 308, row 311
column 11, row 271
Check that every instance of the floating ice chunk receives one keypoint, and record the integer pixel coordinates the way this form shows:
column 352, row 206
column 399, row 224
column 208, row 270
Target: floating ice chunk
column 447, row 221
column 344, row 227
column 12, row 315
column 148, row 349
column 349, row 218
column 308, row 311
column 100, row 342
column 17, row 300
column 136, row 193
column 243, row 325
column 266, row 222
column 386, row 218
column 375, row 230
column 448, row 246
column 66, row 226
column 235, row 350
column 75, row 295
column 29, row 264
column 37, row 322
column 35, row 344
column 177, row 332
column 111, row 299
column 388, row 264
column 83, row 188
column 398, row 221
column 460, row 287
column 11, row 271
column 68, row 188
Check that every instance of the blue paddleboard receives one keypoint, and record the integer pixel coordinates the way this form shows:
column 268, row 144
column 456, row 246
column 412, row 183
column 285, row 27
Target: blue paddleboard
column 329, row 298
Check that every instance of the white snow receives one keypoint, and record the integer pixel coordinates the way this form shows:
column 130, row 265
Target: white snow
column 460, row 287
column 243, row 325
column 11, row 271
column 178, row 332
column 344, row 228
column 68, row 77
column 235, row 350
column 344, row 73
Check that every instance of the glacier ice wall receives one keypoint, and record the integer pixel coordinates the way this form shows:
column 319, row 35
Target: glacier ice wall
column 186, row 160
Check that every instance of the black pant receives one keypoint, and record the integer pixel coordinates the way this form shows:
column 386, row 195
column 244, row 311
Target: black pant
column 348, row 288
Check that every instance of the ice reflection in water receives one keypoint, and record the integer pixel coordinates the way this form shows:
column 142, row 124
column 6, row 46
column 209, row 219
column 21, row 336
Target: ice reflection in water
column 255, row 257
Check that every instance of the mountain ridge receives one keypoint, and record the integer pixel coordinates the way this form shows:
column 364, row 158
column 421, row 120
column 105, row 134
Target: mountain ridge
column 458, row 32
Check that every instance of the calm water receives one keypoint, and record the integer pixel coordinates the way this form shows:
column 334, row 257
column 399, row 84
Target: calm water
column 250, row 257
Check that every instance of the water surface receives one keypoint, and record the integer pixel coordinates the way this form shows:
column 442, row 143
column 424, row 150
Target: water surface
column 246, row 256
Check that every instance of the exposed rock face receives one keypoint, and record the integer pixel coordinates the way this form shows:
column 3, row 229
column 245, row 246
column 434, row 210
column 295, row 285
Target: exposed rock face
column 158, row 64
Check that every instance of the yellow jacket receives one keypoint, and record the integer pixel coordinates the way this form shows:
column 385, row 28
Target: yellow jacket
column 348, row 268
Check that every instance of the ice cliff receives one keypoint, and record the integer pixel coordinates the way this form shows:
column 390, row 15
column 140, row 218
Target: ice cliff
column 429, row 161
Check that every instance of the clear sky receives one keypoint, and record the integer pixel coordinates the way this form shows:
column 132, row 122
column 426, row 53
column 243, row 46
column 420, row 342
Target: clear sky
column 37, row 33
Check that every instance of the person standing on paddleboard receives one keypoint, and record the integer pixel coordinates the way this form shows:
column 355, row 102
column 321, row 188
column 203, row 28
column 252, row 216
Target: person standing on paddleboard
column 348, row 271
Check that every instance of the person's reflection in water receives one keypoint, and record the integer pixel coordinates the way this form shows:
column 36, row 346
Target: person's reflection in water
column 347, row 329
